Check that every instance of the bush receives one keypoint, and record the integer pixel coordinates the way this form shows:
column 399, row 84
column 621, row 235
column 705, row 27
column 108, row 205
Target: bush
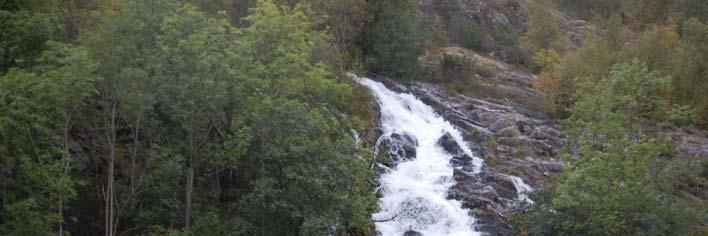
column 505, row 40
column 465, row 32
column 453, row 62
column 544, row 59
column 681, row 115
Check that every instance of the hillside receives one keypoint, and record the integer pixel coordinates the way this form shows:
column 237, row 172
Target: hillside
column 540, row 87
column 353, row 117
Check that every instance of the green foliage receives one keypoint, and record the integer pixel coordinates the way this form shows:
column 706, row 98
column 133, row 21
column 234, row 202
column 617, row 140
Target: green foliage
column 615, row 182
column 689, row 84
column 613, row 190
column 453, row 62
column 392, row 41
column 194, row 66
column 544, row 59
column 543, row 32
column 585, row 65
column 465, row 32
column 35, row 108
column 257, row 107
column 25, row 218
column 304, row 180
column 617, row 105
column 639, row 91
column 667, row 11
column 609, row 192
column 23, row 35
column 681, row 115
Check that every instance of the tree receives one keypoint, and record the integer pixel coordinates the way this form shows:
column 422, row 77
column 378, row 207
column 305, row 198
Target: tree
column 159, row 111
column 193, row 70
column 124, row 45
column 610, row 186
column 465, row 31
column 543, row 32
column 688, row 85
column 392, row 39
column 640, row 92
column 589, row 63
column 37, row 112
column 23, row 35
column 310, row 178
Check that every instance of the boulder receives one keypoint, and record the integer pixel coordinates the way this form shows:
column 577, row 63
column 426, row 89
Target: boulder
column 448, row 143
column 461, row 160
column 398, row 147
column 501, row 183
column 412, row 233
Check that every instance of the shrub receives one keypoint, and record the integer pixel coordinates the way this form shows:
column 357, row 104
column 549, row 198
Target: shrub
column 453, row 62
column 465, row 32
column 681, row 115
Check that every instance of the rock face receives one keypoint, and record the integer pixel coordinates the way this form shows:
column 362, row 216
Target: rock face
column 397, row 148
column 512, row 141
column 689, row 142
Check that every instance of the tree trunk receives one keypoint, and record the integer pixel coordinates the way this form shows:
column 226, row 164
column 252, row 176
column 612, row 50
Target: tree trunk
column 65, row 133
column 111, row 135
column 190, row 171
column 136, row 136
column 61, row 216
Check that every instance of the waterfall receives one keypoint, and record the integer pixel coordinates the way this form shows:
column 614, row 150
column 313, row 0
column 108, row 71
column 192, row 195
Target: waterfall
column 521, row 189
column 414, row 192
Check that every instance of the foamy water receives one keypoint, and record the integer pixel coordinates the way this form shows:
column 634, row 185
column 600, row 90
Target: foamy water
column 414, row 193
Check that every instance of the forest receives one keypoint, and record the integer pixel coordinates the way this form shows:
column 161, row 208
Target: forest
column 235, row 117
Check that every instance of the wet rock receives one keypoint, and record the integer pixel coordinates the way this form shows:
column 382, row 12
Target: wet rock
column 461, row 161
column 448, row 143
column 492, row 223
column 412, row 233
column 468, row 167
column 501, row 184
column 398, row 148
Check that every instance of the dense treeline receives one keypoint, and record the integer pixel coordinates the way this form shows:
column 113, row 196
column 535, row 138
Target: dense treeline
column 133, row 117
column 639, row 73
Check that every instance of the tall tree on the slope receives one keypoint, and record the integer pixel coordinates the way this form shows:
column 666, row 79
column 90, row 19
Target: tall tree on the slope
column 72, row 70
column 193, row 69
column 125, row 44
column 36, row 182
column 392, row 40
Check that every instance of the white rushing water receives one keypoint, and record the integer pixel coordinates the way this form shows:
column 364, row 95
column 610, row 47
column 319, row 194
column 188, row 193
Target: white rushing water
column 521, row 189
column 414, row 193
